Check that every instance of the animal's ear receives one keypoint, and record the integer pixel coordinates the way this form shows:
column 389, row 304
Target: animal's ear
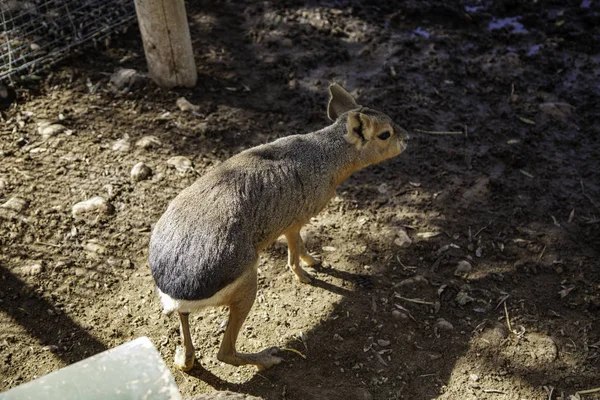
column 340, row 102
column 359, row 129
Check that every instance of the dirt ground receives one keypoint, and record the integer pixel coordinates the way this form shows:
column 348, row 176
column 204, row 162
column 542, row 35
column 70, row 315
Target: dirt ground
column 466, row 268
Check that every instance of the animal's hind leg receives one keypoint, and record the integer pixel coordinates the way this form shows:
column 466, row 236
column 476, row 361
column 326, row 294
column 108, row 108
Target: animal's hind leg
column 296, row 250
column 238, row 311
column 184, row 358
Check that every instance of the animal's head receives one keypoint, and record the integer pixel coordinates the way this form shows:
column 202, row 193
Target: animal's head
column 374, row 134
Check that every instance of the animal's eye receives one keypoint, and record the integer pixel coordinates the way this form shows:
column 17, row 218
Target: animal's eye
column 384, row 135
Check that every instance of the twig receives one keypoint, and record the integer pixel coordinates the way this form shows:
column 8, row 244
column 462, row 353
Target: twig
column 418, row 301
column 264, row 377
column 507, row 318
column 25, row 174
column 587, row 195
column 591, row 200
column 439, row 132
column 541, row 254
column 407, row 312
column 493, row 391
column 404, row 266
column 589, row 391
column 481, row 230
column 379, row 358
column 293, row 351
column 549, row 390
column 58, row 246
column 502, row 300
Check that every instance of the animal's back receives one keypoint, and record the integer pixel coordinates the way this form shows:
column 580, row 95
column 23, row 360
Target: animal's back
column 214, row 229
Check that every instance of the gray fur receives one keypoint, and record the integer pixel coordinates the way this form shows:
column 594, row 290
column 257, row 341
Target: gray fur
column 213, row 231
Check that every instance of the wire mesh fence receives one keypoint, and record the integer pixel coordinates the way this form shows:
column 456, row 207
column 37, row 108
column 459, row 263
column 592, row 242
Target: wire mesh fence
column 35, row 34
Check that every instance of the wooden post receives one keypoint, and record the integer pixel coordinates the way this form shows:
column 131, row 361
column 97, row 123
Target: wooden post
column 167, row 43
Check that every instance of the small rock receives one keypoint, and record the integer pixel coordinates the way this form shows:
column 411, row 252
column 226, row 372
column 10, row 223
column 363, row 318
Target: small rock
column 184, row 105
column 48, row 130
column 463, row 269
column 383, row 188
column 140, row 172
column 399, row 315
column 52, row 348
column 413, row 281
column 463, row 298
column 402, row 241
column 338, row 338
column 96, row 205
column 164, row 116
column 125, row 78
column 180, row 163
column 479, row 252
column 473, row 377
column 560, row 111
column 34, row 269
column 16, row 203
column 122, row 145
column 94, row 247
column 148, row 142
column 118, row 263
column 442, row 325
column 383, row 342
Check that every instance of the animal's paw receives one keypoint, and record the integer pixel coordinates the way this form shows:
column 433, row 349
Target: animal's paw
column 311, row 259
column 303, row 276
column 267, row 358
column 184, row 362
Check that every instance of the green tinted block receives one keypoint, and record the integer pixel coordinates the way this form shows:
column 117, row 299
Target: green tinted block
column 133, row 370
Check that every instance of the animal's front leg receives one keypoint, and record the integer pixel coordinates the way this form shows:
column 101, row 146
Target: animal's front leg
column 296, row 250
column 310, row 259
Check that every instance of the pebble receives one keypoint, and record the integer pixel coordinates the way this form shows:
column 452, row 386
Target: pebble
column 148, row 142
column 479, row 252
column 463, row 298
column 16, row 203
column 48, row 130
column 383, row 342
column 399, row 315
column 560, row 111
column 140, row 172
column 442, row 325
column 463, row 269
column 96, row 204
column 52, row 348
column 34, row 269
column 338, row 338
column 184, row 105
column 94, row 247
column 118, row 263
column 403, row 240
column 122, row 145
column 413, row 281
column 180, row 163
column 125, row 78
